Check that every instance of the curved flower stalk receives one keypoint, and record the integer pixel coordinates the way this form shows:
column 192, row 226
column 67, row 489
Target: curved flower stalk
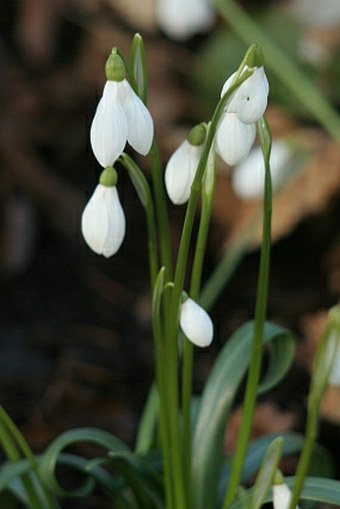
column 196, row 323
column 103, row 221
column 236, row 131
column 121, row 117
column 182, row 165
column 181, row 20
column 248, row 177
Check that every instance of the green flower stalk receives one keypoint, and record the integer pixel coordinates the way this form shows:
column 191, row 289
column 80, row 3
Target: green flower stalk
column 260, row 316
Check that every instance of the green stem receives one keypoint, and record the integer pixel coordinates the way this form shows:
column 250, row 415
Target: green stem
column 260, row 316
column 196, row 276
column 143, row 190
column 161, row 211
column 309, row 442
column 162, row 383
column 282, row 66
column 171, row 329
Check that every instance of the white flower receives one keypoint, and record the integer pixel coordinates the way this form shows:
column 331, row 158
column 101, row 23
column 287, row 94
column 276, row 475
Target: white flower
column 181, row 19
column 103, row 221
column 248, row 177
column 316, row 13
column 180, row 172
column 234, row 139
column 250, row 99
column 121, row 117
column 281, row 496
column 196, row 323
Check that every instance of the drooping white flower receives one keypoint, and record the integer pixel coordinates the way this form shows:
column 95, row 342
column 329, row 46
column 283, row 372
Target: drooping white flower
column 121, row 117
column 109, row 129
column 234, row 139
column 181, row 20
column 103, row 221
column 281, row 496
column 250, row 99
column 180, row 172
column 196, row 323
column 248, row 177
column 316, row 13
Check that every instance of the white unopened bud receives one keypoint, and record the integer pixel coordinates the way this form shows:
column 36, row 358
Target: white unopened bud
column 121, row 117
column 250, row 99
column 180, row 172
column 281, row 496
column 196, row 323
column 103, row 221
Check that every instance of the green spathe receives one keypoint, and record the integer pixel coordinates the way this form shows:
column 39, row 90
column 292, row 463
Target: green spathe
column 254, row 57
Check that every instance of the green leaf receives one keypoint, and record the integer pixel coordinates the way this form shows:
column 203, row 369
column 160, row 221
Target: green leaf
column 315, row 489
column 217, row 399
column 144, row 481
column 266, row 473
column 49, row 460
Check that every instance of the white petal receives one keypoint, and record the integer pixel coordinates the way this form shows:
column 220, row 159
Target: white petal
column 250, row 100
column 180, row 172
column 248, row 177
column 234, row 139
column 252, row 97
column 281, row 496
column 103, row 221
column 109, row 128
column 196, row 323
column 180, row 20
column 139, row 121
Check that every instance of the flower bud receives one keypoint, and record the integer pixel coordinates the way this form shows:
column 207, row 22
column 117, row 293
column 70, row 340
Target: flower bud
column 180, row 172
column 195, row 323
column 281, row 493
column 103, row 221
column 250, row 99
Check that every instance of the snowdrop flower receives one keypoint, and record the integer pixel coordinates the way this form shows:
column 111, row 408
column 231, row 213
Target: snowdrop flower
column 196, row 323
column 248, row 177
column 249, row 101
column 281, row 496
column 103, row 219
column 182, row 165
column 121, row 117
column 236, row 131
column 234, row 139
column 181, row 20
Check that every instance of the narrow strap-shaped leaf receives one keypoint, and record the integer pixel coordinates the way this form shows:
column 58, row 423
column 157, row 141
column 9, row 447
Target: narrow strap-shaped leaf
column 315, row 489
column 49, row 460
column 216, row 402
column 266, row 473
column 142, row 479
